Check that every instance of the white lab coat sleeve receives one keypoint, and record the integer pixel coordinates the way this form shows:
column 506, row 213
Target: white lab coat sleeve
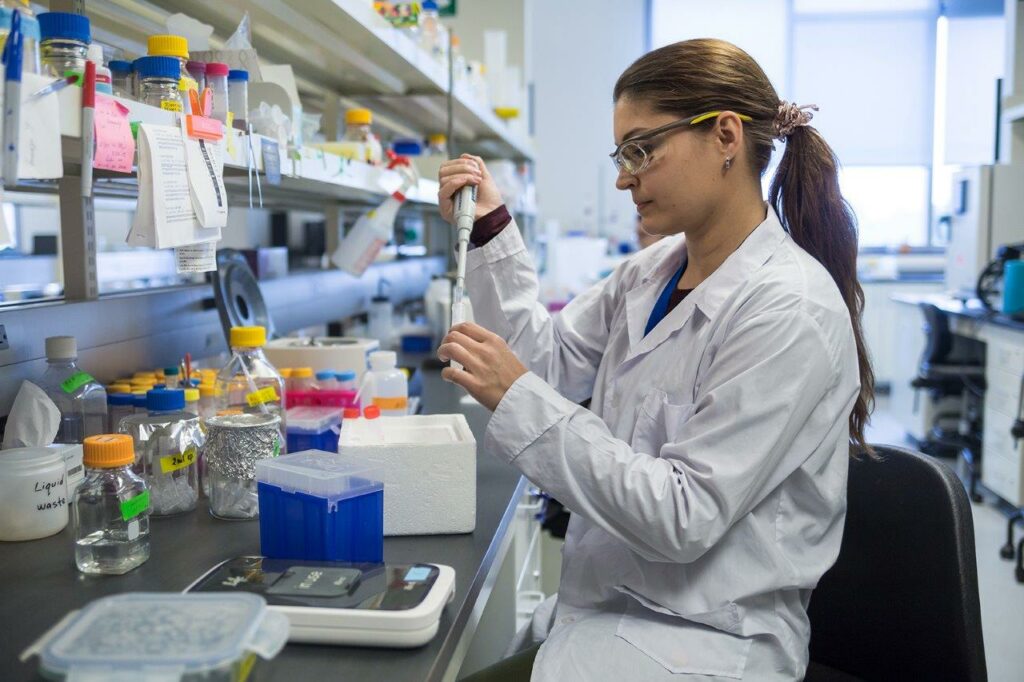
column 762, row 410
column 564, row 349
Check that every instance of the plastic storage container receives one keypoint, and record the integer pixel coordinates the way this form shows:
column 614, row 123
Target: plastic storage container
column 359, row 142
column 198, row 72
column 33, row 493
column 217, row 81
column 29, row 32
column 249, row 382
column 110, row 509
column 121, row 78
column 64, row 47
column 81, row 400
column 164, row 636
column 319, row 506
column 103, row 77
column 238, row 97
column 313, row 428
column 167, row 444
column 387, row 385
column 119, row 406
column 326, row 381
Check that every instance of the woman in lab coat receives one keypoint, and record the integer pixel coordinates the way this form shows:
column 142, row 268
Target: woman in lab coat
column 727, row 376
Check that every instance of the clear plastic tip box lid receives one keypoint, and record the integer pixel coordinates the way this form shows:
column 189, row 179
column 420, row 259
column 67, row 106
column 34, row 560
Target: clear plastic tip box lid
column 164, row 637
column 319, row 473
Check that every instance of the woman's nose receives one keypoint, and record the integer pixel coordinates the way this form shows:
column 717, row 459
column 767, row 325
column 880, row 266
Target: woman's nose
column 625, row 180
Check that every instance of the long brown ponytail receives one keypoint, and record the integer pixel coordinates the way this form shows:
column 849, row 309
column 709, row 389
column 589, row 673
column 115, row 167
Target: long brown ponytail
column 695, row 76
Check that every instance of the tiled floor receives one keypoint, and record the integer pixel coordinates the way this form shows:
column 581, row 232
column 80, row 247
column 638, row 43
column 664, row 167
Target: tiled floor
column 1002, row 597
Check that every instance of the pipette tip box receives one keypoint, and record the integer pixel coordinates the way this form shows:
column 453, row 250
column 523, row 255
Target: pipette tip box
column 319, row 506
column 313, row 428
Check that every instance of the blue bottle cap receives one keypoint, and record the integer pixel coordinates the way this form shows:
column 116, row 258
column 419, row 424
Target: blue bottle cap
column 347, row 375
column 120, row 66
column 321, row 376
column 122, row 399
column 407, row 147
column 165, row 400
column 238, row 75
column 170, row 371
column 139, row 401
column 64, row 26
column 158, row 67
column 429, row 5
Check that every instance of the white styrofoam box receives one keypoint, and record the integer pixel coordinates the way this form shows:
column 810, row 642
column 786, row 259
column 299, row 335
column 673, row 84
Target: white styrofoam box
column 428, row 466
column 336, row 353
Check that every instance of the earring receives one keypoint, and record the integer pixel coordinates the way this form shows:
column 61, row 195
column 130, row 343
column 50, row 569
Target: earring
column 728, row 163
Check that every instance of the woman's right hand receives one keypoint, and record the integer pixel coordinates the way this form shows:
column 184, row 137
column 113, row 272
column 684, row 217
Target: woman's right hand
column 456, row 174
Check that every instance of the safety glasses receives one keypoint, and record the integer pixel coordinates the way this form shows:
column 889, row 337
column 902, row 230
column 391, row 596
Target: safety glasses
column 634, row 154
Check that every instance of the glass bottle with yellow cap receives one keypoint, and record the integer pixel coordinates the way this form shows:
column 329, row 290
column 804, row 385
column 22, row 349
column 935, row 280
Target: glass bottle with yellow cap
column 359, row 133
column 110, row 509
column 249, row 382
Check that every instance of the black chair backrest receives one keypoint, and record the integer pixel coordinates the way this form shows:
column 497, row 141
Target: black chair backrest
column 938, row 338
column 901, row 602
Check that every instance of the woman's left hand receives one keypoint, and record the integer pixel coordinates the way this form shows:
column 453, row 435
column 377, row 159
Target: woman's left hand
column 490, row 366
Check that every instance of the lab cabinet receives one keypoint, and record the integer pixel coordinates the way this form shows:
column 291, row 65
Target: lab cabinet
column 885, row 337
column 1003, row 456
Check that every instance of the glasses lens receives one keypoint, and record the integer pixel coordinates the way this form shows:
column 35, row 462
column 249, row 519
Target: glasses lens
column 631, row 158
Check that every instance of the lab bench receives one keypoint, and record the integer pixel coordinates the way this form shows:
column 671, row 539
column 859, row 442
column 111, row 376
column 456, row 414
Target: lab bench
column 40, row 583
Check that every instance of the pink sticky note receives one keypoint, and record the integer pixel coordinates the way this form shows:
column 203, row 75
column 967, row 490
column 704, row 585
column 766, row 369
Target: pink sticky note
column 115, row 146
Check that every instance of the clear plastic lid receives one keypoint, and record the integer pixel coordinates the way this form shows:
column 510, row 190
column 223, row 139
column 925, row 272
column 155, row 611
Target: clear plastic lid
column 313, row 418
column 163, row 636
column 320, row 473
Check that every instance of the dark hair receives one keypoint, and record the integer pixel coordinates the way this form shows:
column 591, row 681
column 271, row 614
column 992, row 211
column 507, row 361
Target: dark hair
column 696, row 76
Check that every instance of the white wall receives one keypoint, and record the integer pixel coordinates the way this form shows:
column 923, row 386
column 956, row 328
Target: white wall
column 579, row 50
column 977, row 57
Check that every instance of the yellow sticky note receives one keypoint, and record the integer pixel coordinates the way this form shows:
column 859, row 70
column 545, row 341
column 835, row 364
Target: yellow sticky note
column 179, row 461
column 229, row 134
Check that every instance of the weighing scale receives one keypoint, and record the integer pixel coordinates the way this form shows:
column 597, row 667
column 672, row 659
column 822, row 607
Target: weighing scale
column 373, row 605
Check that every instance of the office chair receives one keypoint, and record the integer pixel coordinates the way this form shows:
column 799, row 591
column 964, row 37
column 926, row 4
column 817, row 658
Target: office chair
column 901, row 602
column 953, row 366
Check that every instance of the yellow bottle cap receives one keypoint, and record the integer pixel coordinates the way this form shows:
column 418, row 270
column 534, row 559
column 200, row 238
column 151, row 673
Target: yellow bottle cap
column 108, row 450
column 248, row 336
column 302, row 373
column 119, row 388
column 506, row 113
column 438, row 138
column 191, row 395
column 285, row 372
column 144, row 375
column 139, row 391
column 358, row 117
column 167, row 46
column 207, row 391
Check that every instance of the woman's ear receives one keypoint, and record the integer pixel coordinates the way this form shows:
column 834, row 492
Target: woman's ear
column 729, row 134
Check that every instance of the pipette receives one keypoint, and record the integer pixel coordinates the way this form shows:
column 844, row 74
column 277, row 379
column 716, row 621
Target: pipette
column 465, row 212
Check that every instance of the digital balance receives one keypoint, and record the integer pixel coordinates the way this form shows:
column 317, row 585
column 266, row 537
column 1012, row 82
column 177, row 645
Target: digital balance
column 375, row 605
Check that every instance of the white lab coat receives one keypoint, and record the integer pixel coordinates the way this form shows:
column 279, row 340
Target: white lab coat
column 707, row 481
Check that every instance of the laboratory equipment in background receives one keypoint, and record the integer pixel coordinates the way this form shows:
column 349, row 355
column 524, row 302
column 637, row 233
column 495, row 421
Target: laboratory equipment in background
column 359, row 143
column 142, row 635
column 29, row 31
column 34, row 495
column 987, row 209
column 320, row 506
column 82, row 401
column 110, row 509
column 431, row 459
column 313, row 427
column 326, row 381
column 64, row 45
column 1001, row 284
column 207, row 401
column 386, row 386
column 104, row 82
column 240, row 302
column 380, row 318
column 159, row 78
column 121, row 79
column 373, row 605
column 438, row 304
column 119, row 406
column 347, row 380
column 303, row 379
column 238, row 97
column 249, row 382
column 234, row 443
column 433, row 34
column 167, row 444
column 217, row 81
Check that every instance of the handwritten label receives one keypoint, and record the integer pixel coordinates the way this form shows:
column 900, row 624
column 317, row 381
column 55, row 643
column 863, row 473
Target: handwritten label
column 170, row 105
column 135, row 506
column 115, row 146
column 179, row 461
column 75, row 382
column 392, row 403
column 271, row 161
column 57, row 501
column 264, row 395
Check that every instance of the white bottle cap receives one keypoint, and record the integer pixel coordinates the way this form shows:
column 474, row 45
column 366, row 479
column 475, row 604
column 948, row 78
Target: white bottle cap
column 61, row 348
column 383, row 359
column 95, row 54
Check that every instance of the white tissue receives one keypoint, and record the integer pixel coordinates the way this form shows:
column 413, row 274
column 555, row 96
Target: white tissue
column 34, row 419
column 196, row 32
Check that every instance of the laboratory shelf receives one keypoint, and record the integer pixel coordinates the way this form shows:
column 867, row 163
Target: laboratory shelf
column 1013, row 109
column 314, row 176
column 335, row 46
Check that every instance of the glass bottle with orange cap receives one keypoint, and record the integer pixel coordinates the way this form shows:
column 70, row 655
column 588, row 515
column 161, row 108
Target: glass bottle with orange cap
column 110, row 509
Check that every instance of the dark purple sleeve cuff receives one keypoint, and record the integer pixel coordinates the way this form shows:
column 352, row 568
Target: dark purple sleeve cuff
column 489, row 226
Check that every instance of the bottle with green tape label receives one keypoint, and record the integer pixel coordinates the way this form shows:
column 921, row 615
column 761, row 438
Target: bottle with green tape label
column 81, row 400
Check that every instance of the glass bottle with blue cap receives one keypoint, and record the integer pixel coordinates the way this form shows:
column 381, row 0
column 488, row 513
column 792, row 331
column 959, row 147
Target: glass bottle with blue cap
column 158, row 82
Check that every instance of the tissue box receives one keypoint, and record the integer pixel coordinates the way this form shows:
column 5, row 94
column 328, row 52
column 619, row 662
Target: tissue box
column 319, row 506
column 428, row 465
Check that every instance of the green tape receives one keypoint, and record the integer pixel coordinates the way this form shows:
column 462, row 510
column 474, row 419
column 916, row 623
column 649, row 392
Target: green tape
column 135, row 128
column 277, row 447
column 135, row 506
column 75, row 382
